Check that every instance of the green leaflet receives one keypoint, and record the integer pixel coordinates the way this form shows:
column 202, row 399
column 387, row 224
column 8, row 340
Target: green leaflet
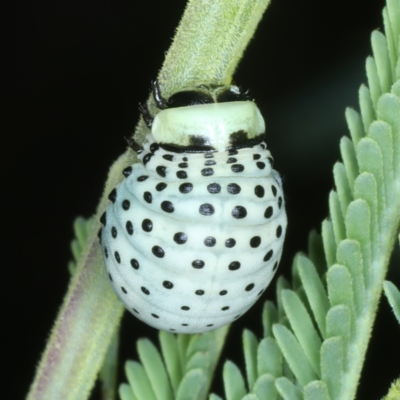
column 233, row 382
column 287, row 389
column 393, row 296
column 315, row 291
column 250, row 344
column 269, row 358
column 265, row 389
column 342, row 186
column 192, row 385
column 139, row 381
column 316, row 390
column 350, row 161
column 126, row 393
column 155, row 369
column 301, row 323
column 294, row 354
column 328, row 238
column 170, row 352
column 349, row 255
column 332, row 363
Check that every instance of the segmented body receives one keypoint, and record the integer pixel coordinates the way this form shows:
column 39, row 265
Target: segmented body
column 192, row 239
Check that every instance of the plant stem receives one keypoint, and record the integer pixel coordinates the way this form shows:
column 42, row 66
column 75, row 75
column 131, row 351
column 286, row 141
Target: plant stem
column 209, row 43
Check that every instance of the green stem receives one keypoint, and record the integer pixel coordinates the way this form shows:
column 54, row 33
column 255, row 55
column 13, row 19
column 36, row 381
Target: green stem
column 208, row 45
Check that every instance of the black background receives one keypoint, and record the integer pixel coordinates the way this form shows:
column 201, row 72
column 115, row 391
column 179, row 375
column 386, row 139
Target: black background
column 76, row 72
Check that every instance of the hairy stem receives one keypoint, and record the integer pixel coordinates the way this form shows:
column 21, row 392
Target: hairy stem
column 208, row 45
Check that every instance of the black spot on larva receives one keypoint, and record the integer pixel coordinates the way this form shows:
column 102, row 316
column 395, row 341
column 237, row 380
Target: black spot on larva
column 275, row 266
column 280, row 202
column 214, row 188
column 126, row 204
column 99, row 235
column 225, row 308
column 106, row 252
column 112, row 196
column 278, row 231
column 199, row 292
column 210, row 241
column 207, row 171
column 255, row 241
column 167, row 206
column 185, row 324
column 274, row 191
column 210, row 325
column 198, row 264
column 180, row 238
column 185, row 188
column 232, row 152
column 154, row 147
column 117, row 257
column 239, row 212
column 147, row 158
column 114, row 232
column 161, row 186
column 260, row 292
column 263, row 145
column 124, row 290
column 110, row 277
column 136, row 311
column 185, row 308
column 148, row 198
column 237, row 168
column 260, row 165
column 147, row 225
column 210, row 162
column 168, row 157
column 259, row 191
column 230, row 242
column 249, row 287
column 129, row 227
column 158, row 251
column 237, row 316
column 223, row 292
column 142, row 178
column 145, row 290
column 184, row 158
column 172, row 330
column 234, row 265
column 206, row 209
column 127, row 171
column 268, row 212
column 168, row 285
column 208, row 155
column 231, row 160
column 155, row 315
column 161, row 170
column 134, row 263
column 103, row 218
column 256, row 156
column 234, row 188
column 181, row 174
column 183, row 165
column 269, row 255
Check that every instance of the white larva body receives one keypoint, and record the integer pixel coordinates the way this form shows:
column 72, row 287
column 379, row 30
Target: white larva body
column 192, row 239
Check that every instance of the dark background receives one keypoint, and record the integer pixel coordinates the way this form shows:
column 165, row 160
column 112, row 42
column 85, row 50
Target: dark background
column 76, row 72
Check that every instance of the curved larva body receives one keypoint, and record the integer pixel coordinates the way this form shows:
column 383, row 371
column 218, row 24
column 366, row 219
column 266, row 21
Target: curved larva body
column 192, row 239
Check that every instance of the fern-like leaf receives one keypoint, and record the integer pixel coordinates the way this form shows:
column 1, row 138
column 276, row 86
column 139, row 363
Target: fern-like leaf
column 183, row 371
column 317, row 336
